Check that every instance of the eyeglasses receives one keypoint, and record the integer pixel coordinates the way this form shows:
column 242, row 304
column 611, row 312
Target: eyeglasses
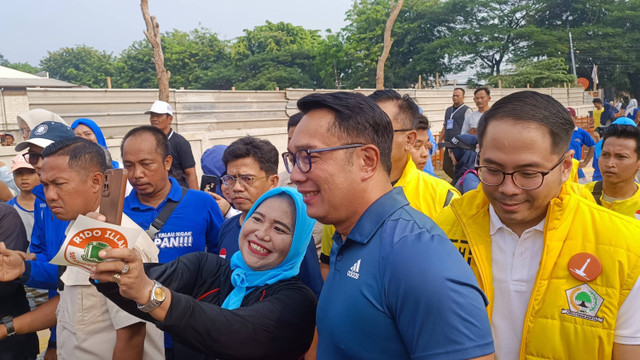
column 523, row 179
column 32, row 158
column 302, row 158
column 402, row 130
column 245, row 180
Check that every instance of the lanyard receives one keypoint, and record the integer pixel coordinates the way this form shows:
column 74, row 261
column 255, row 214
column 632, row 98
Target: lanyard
column 453, row 113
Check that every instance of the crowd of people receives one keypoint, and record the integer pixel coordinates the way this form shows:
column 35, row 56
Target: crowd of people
column 357, row 251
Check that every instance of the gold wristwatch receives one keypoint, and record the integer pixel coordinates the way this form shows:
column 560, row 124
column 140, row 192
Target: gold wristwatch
column 158, row 295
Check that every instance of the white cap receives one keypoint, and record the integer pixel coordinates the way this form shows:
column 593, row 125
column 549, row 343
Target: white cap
column 160, row 107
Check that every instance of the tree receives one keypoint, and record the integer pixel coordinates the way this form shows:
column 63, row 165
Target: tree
column 81, row 65
column 196, row 60
column 3, row 61
column 276, row 55
column 485, row 33
column 154, row 37
column 583, row 297
column 536, row 73
column 386, row 45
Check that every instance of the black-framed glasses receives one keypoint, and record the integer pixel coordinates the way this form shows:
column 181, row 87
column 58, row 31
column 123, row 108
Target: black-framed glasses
column 402, row 130
column 523, row 179
column 32, row 158
column 302, row 158
column 245, row 180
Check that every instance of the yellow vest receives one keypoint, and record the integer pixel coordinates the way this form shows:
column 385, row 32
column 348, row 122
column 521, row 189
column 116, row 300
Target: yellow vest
column 573, row 225
column 425, row 193
column 628, row 207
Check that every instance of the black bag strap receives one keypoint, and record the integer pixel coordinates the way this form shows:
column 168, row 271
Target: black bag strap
column 164, row 215
column 597, row 192
column 447, row 200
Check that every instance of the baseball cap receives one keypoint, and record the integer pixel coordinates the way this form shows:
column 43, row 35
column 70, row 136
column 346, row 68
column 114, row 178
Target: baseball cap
column 46, row 133
column 462, row 141
column 160, row 107
column 18, row 162
column 571, row 111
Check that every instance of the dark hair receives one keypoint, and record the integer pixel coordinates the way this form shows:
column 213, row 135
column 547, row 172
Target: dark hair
column 597, row 100
column 484, row 88
column 600, row 130
column 623, row 132
column 461, row 89
column 422, row 122
column 83, row 154
column 408, row 110
column 162, row 142
column 533, row 107
column 260, row 150
column 294, row 120
column 357, row 119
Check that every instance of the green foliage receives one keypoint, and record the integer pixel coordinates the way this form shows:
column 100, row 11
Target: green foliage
column 196, row 60
column 543, row 73
column 3, row 61
column 24, row 67
column 276, row 55
column 82, row 65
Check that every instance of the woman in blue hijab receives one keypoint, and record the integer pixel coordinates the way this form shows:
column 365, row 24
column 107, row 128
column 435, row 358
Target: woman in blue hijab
column 88, row 129
column 252, row 306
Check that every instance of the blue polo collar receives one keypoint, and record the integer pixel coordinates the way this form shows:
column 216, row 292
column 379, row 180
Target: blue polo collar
column 175, row 194
column 374, row 216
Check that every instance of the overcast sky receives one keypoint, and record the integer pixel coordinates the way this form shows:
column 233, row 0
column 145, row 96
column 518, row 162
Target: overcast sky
column 30, row 28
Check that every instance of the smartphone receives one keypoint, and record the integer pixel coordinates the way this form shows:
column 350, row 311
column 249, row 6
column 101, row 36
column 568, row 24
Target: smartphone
column 113, row 190
column 209, row 183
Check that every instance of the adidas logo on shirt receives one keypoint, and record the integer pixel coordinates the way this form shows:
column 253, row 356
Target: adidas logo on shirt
column 354, row 271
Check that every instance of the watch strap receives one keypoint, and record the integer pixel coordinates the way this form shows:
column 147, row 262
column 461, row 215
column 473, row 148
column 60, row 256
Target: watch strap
column 153, row 302
column 8, row 323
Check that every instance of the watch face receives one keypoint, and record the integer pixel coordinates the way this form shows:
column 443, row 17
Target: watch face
column 159, row 294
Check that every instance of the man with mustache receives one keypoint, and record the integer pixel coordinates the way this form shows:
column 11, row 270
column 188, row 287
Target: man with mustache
column 194, row 223
column 561, row 273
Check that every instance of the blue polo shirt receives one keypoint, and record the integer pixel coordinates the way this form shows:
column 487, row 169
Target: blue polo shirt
column 398, row 289
column 193, row 225
column 310, row 274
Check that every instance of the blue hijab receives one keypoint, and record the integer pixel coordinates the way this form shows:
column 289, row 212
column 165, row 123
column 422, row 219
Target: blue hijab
column 245, row 280
column 97, row 132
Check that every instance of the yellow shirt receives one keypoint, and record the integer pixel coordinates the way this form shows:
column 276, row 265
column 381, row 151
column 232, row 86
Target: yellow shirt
column 629, row 207
column 596, row 117
column 425, row 193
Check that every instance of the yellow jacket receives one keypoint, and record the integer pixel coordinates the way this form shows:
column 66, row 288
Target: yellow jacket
column 425, row 193
column 628, row 207
column 573, row 225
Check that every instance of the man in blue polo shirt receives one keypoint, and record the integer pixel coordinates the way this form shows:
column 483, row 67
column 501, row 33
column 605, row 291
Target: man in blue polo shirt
column 398, row 288
column 252, row 170
column 195, row 222
column 192, row 226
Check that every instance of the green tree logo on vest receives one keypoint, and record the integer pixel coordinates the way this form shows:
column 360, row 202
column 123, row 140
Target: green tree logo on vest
column 584, row 303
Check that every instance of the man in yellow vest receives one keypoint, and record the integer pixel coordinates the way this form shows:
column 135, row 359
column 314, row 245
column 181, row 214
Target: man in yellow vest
column 425, row 193
column 560, row 272
column 619, row 162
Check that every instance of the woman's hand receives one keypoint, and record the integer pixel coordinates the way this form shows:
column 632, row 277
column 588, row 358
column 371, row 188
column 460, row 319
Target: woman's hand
column 125, row 267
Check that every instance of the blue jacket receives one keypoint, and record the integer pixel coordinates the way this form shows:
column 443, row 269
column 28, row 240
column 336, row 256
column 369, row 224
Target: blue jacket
column 46, row 239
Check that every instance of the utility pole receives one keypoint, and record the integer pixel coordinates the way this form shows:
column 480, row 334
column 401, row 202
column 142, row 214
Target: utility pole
column 573, row 60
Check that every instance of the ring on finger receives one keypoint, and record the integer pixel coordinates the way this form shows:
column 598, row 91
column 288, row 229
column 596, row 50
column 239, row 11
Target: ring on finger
column 125, row 269
column 116, row 278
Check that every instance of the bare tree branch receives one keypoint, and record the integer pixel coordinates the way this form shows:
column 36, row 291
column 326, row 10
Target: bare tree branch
column 154, row 37
column 395, row 10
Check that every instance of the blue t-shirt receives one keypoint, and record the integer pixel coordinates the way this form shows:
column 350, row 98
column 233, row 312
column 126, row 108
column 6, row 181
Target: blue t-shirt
column 309, row 274
column 398, row 289
column 193, row 225
column 579, row 139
